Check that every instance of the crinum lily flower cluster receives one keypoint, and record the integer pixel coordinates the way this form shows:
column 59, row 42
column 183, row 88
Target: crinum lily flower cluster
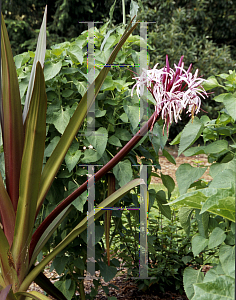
column 173, row 91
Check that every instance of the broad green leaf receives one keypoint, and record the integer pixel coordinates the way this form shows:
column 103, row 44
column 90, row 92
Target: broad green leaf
column 227, row 259
column 76, row 54
column 121, row 85
column 157, row 139
column 168, row 183
column 232, row 227
column 99, row 232
column 194, row 151
column 230, row 105
column 61, row 119
column 165, row 209
column 225, row 208
column 123, row 172
column 211, row 275
column 214, row 199
column 191, row 277
column 190, row 134
column 21, row 59
column 39, row 56
column 216, row 238
column 133, row 114
column 57, row 52
column 99, row 113
column 79, row 202
column 205, row 119
column 123, row 134
column 108, row 84
column 53, row 164
column 11, row 118
column 67, row 287
column 216, row 147
column 67, row 93
column 107, row 272
column 124, row 118
column 79, row 263
column 217, row 168
column 113, row 140
column 168, row 156
column 224, row 179
column 72, row 158
column 51, row 70
column 176, row 140
column 195, row 199
column 220, row 98
column 184, row 215
column 203, row 222
column 107, row 34
column 186, row 175
column 110, row 42
column 98, row 139
column 81, row 86
column 23, row 85
column 59, row 263
column 90, row 155
column 31, row 168
column 220, row 289
column 210, row 83
column 199, row 243
column 108, row 202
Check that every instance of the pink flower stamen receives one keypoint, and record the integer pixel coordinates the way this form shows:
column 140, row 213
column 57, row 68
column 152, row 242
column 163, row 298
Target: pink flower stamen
column 173, row 91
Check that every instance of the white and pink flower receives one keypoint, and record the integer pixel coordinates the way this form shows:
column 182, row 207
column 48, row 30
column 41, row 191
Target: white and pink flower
column 173, row 90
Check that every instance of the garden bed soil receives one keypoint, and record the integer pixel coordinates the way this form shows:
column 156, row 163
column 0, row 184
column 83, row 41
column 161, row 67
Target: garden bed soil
column 168, row 168
column 127, row 289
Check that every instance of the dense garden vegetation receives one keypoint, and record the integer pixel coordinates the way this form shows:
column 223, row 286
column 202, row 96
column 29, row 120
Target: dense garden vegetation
column 198, row 217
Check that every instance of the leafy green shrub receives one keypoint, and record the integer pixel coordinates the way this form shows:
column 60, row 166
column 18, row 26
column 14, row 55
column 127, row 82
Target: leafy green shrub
column 214, row 201
column 117, row 119
column 169, row 250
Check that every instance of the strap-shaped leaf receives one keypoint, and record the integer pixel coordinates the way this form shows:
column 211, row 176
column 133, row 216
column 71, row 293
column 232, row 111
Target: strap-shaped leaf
column 31, row 169
column 2, row 283
column 49, row 287
column 53, row 164
column 11, row 118
column 108, row 202
column 4, row 292
column 33, row 295
column 111, row 182
column 39, row 56
column 7, row 212
column 48, row 233
column 7, row 265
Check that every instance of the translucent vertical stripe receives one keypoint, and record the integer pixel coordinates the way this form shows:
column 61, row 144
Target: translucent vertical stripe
column 143, row 60
column 143, row 266
column 91, row 224
column 91, row 78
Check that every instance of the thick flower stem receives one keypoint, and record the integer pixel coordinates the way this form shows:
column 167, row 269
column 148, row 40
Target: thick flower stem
column 111, row 164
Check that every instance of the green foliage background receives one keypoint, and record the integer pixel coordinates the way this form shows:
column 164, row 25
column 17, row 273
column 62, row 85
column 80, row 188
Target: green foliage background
column 201, row 30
